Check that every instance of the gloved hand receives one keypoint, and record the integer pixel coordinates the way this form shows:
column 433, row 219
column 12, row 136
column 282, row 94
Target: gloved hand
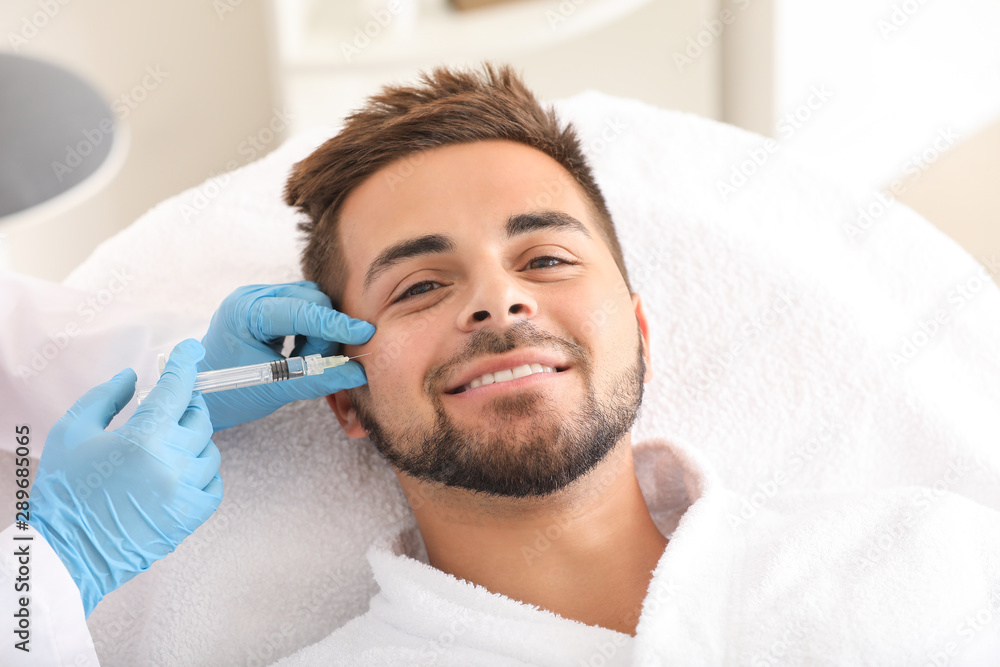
column 250, row 328
column 110, row 503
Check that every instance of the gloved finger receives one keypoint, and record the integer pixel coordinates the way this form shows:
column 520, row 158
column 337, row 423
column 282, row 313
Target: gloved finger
column 199, row 471
column 192, row 506
column 214, row 489
column 197, row 419
column 286, row 316
column 348, row 376
column 274, row 288
column 305, row 346
column 251, row 296
column 101, row 404
column 169, row 399
column 92, row 413
column 305, row 290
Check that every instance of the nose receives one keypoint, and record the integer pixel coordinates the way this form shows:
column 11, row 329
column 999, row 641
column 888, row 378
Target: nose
column 497, row 299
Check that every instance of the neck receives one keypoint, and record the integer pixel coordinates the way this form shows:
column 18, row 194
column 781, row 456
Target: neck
column 586, row 552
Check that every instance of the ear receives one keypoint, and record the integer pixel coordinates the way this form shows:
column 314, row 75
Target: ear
column 343, row 407
column 644, row 332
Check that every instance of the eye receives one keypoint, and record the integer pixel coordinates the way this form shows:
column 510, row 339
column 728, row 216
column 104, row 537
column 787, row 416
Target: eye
column 548, row 258
column 416, row 290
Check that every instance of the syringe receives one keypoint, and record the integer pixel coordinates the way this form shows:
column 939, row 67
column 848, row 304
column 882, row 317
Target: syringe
column 255, row 374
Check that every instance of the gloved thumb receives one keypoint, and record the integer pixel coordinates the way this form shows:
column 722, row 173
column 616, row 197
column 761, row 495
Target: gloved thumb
column 100, row 405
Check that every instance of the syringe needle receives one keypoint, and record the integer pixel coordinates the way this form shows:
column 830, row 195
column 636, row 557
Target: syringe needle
column 360, row 355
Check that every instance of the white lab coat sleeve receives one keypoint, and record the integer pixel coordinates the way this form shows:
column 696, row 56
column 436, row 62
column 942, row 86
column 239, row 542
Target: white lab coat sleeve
column 54, row 628
column 58, row 342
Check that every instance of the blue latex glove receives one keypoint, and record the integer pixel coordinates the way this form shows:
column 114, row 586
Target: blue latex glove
column 110, row 503
column 250, row 327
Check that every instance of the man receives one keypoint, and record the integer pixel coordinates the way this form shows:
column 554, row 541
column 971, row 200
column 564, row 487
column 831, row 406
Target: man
column 462, row 248
column 507, row 368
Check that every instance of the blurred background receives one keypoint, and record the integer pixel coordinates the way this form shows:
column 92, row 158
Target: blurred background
column 107, row 108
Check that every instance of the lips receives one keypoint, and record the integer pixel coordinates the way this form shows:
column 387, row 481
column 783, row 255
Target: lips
column 505, row 368
column 505, row 375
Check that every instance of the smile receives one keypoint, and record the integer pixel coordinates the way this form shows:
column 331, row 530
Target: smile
column 506, row 376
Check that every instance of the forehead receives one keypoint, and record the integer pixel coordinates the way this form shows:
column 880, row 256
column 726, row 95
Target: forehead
column 465, row 190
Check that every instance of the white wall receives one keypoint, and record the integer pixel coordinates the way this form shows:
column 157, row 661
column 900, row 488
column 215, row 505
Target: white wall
column 899, row 73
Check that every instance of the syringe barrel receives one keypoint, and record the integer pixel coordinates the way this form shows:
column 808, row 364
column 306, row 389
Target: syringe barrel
column 241, row 376
column 254, row 374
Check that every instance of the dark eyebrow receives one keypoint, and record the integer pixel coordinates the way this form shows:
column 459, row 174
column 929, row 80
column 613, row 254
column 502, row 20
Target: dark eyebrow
column 434, row 244
column 525, row 223
column 430, row 244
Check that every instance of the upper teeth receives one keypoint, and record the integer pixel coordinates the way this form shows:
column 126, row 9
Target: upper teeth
column 509, row 374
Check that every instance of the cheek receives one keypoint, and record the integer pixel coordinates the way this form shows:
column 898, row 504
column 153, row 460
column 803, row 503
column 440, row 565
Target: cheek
column 397, row 363
column 602, row 315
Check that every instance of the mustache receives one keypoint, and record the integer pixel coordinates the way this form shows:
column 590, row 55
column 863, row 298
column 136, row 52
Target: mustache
column 487, row 342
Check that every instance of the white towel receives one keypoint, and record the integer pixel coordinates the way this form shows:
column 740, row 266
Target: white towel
column 812, row 395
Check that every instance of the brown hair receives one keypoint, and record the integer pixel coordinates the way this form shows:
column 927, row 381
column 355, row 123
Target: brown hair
column 451, row 107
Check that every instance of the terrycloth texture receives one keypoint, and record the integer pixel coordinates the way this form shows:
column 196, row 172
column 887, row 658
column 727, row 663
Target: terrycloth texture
column 809, row 398
column 811, row 580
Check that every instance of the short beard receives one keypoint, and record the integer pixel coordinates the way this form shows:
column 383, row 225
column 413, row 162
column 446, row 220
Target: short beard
column 549, row 457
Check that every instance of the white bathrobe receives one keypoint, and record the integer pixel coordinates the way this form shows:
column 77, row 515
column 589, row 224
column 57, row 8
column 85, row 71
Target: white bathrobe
column 909, row 576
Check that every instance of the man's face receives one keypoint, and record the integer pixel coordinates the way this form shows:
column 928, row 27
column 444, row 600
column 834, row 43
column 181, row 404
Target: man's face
column 477, row 263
